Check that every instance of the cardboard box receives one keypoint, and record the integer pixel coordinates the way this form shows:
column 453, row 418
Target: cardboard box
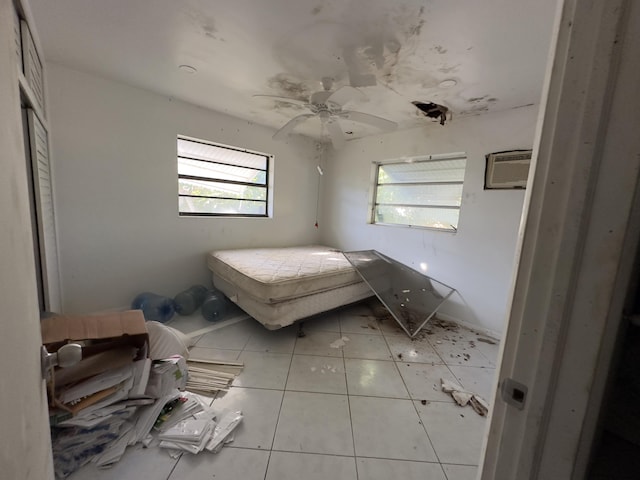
column 109, row 341
column 119, row 328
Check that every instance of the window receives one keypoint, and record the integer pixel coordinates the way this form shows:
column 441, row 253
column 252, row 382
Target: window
column 419, row 192
column 218, row 180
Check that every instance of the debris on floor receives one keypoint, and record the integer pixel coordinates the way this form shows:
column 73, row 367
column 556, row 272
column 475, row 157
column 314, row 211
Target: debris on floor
column 192, row 337
column 444, row 325
column 464, row 397
column 200, row 432
column 301, row 332
column 339, row 343
column 488, row 340
column 166, row 376
column 114, row 396
column 411, row 297
column 209, row 376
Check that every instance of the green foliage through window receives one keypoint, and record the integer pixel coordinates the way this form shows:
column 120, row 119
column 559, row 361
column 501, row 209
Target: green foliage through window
column 218, row 180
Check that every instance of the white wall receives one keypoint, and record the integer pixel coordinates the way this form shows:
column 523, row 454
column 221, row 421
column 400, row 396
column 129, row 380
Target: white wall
column 115, row 182
column 478, row 259
column 114, row 170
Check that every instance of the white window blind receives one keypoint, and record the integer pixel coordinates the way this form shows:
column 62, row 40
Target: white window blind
column 220, row 180
column 419, row 192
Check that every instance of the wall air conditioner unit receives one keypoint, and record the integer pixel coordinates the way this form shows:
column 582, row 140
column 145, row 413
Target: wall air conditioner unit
column 507, row 169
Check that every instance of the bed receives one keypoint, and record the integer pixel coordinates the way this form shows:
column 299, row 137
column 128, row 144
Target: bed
column 278, row 286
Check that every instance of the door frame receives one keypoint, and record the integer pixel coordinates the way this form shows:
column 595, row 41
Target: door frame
column 580, row 227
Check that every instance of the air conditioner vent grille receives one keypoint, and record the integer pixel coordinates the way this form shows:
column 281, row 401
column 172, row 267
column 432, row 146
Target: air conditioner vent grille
column 513, row 158
column 505, row 170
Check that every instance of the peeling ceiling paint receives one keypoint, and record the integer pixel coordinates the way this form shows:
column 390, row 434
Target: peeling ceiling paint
column 493, row 53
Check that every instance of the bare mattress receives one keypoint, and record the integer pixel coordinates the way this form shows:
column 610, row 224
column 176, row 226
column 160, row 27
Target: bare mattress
column 278, row 286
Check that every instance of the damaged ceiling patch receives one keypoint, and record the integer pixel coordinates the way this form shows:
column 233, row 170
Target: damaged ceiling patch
column 395, row 52
column 204, row 23
column 289, row 86
column 478, row 105
column 475, row 100
column 433, row 110
column 355, row 47
column 440, row 49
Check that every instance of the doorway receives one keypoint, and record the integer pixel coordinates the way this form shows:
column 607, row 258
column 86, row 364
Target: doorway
column 616, row 447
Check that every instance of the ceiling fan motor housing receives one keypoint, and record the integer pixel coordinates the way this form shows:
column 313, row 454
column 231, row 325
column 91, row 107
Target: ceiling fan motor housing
column 318, row 103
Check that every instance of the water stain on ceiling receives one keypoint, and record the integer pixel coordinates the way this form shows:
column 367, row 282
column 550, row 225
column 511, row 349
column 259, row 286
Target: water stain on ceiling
column 287, row 85
column 472, row 57
column 202, row 23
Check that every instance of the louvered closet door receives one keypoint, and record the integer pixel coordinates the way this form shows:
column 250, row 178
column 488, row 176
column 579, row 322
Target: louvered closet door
column 47, row 239
column 32, row 65
column 18, row 38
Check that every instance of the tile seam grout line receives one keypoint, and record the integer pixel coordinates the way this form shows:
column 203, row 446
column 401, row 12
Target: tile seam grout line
column 346, row 382
column 284, row 389
column 295, row 452
column 414, row 406
column 175, row 465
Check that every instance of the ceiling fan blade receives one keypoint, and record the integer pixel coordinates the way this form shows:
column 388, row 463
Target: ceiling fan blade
column 335, row 132
column 290, row 125
column 294, row 101
column 345, row 94
column 374, row 121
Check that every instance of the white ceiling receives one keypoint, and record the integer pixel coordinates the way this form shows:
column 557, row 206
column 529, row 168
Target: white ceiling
column 496, row 51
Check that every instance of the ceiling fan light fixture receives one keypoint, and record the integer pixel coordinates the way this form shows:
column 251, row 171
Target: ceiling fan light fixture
column 448, row 83
column 328, row 106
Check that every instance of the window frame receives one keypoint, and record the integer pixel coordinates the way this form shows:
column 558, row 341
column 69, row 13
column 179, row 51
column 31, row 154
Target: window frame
column 375, row 171
column 268, row 184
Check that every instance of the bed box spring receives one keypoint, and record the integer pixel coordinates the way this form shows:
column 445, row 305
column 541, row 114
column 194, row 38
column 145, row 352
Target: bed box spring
column 280, row 314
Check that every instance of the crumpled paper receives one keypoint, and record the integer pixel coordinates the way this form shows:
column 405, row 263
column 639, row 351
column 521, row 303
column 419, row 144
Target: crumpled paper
column 464, row 398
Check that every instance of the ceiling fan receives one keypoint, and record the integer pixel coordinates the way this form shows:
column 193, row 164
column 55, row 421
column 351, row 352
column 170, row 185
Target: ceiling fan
column 327, row 105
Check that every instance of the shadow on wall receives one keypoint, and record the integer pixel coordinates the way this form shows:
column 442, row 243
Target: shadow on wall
column 456, row 308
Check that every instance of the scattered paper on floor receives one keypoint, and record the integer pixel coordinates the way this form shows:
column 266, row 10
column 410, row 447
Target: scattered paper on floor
column 463, row 397
column 210, row 376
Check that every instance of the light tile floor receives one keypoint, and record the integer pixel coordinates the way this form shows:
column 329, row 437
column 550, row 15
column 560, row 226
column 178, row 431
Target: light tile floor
column 370, row 410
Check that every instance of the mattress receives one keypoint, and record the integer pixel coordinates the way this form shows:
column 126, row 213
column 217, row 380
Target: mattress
column 278, row 286
column 276, row 274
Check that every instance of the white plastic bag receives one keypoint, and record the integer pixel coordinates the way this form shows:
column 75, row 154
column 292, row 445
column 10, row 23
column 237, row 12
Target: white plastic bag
column 165, row 341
